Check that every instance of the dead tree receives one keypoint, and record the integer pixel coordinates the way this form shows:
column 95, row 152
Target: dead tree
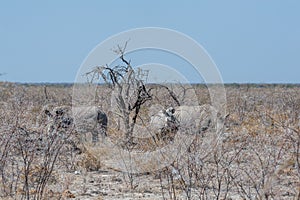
column 130, row 92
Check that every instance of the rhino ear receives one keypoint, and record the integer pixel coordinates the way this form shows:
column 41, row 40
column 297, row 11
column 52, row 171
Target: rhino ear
column 224, row 118
column 60, row 111
column 48, row 113
column 164, row 112
column 227, row 116
column 172, row 110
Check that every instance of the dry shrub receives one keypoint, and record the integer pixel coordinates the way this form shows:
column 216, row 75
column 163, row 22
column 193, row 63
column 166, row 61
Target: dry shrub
column 257, row 158
column 88, row 161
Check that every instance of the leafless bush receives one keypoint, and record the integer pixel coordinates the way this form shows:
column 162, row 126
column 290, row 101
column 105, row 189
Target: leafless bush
column 29, row 151
column 130, row 93
column 257, row 156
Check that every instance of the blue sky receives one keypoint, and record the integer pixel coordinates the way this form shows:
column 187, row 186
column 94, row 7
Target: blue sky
column 250, row 41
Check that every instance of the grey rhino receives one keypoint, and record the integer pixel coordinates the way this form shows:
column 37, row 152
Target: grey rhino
column 190, row 119
column 84, row 119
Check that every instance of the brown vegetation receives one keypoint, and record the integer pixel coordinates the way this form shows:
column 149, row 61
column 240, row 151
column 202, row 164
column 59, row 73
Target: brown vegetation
column 257, row 156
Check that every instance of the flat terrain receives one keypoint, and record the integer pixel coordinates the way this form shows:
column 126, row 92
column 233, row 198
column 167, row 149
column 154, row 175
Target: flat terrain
column 256, row 156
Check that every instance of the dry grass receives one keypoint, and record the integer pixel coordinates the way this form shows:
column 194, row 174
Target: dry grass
column 257, row 156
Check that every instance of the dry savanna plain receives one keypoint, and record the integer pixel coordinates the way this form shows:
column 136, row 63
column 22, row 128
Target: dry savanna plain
column 257, row 155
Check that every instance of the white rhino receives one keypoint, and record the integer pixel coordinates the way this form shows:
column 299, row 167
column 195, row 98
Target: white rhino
column 189, row 119
column 163, row 123
column 197, row 119
column 86, row 120
column 163, row 119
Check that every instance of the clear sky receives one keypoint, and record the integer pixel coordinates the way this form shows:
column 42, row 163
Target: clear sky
column 250, row 41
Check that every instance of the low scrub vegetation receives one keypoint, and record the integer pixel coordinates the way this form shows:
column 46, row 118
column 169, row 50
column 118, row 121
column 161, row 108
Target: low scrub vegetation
column 256, row 157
